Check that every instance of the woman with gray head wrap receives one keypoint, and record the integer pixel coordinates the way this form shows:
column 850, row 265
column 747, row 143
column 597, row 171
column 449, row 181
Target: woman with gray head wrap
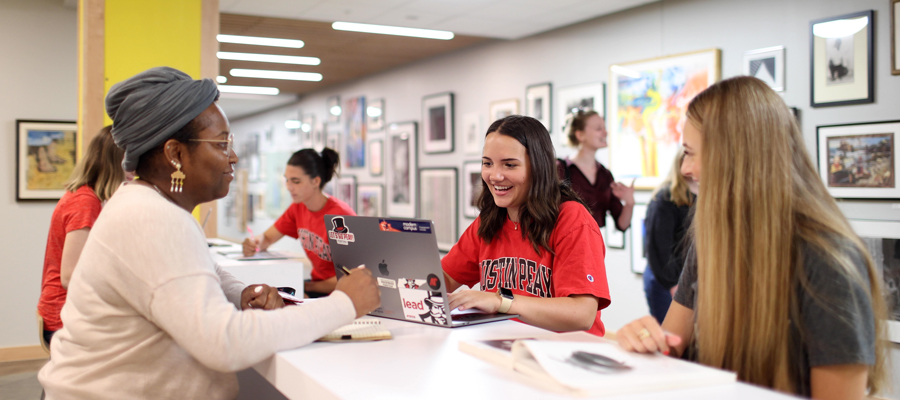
column 149, row 314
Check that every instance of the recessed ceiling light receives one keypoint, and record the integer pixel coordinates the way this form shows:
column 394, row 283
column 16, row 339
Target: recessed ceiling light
column 272, row 58
column 248, row 89
column 221, row 79
column 392, row 30
column 267, row 74
column 260, row 41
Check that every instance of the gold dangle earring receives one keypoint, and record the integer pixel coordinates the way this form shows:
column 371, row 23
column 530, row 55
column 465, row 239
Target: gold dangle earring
column 177, row 179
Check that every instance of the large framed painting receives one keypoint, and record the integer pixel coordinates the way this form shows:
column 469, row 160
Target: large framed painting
column 882, row 238
column 766, row 65
column 589, row 96
column 46, row 154
column 437, row 123
column 471, row 188
column 859, row 161
column 647, row 114
column 401, row 165
column 538, row 103
column 638, row 239
column 438, row 203
column 354, row 112
column 370, row 200
column 841, row 64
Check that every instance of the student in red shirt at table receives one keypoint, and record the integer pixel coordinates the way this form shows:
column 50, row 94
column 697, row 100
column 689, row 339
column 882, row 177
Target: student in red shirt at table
column 535, row 249
column 94, row 180
column 306, row 174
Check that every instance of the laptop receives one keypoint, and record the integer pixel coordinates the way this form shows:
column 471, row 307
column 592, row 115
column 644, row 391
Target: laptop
column 404, row 258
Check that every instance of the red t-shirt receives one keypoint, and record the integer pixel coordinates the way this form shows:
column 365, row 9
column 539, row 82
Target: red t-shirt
column 300, row 223
column 510, row 261
column 74, row 211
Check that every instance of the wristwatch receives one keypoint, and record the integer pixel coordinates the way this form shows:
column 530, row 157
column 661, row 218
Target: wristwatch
column 506, row 299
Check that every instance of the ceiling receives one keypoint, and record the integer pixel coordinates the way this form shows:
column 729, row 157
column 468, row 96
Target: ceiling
column 351, row 55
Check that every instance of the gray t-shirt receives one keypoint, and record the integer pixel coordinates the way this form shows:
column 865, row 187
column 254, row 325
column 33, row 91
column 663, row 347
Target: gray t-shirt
column 835, row 315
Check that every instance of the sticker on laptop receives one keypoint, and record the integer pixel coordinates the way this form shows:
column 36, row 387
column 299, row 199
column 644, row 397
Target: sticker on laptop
column 423, row 305
column 388, row 283
column 397, row 225
column 340, row 232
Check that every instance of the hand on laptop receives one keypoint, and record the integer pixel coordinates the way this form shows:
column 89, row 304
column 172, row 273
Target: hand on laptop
column 261, row 296
column 360, row 286
column 488, row 302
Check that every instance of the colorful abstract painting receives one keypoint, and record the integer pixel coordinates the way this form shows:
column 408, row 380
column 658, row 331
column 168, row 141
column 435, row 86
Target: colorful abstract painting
column 647, row 112
column 354, row 112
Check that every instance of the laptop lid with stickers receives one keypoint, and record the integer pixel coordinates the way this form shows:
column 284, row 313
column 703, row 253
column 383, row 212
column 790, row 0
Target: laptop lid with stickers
column 403, row 256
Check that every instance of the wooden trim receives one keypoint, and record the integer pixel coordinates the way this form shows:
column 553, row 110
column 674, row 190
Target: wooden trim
column 209, row 68
column 22, row 353
column 91, row 34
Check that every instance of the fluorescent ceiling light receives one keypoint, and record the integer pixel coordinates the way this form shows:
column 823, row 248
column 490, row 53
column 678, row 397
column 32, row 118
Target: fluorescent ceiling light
column 221, row 79
column 335, row 110
column 267, row 74
column 840, row 28
column 272, row 58
column 260, row 41
column 625, row 71
column 292, row 124
column 248, row 89
column 392, row 30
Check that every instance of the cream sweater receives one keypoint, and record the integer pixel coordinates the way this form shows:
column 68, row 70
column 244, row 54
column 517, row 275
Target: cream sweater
column 150, row 316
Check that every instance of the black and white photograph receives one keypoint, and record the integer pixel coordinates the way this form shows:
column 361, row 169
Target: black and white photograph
column 437, row 123
column 538, row 103
column 438, row 203
column 589, row 96
column 858, row 161
column 882, row 239
column 400, row 169
column 767, row 65
column 472, row 186
column 842, row 70
column 370, row 200
column 503, row 108
column 472, row 134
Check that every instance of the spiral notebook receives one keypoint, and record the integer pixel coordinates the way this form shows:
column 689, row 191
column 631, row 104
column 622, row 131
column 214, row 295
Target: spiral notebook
column 359, row 330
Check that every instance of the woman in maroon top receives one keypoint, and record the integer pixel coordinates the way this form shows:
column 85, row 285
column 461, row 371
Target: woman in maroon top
column 590, row 179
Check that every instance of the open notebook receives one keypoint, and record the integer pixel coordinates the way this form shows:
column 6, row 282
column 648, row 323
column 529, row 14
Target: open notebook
column 360, row 330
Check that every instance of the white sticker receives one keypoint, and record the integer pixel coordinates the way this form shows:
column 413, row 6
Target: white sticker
column 388, row 283
column 422, row 305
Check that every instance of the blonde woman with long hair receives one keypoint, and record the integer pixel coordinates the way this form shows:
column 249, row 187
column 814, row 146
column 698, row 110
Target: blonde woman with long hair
column 779, row 288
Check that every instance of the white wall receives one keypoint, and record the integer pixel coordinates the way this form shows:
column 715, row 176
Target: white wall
column 38, row 80
column 582, row 53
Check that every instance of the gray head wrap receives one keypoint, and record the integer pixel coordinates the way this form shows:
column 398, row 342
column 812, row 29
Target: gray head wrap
column 148, row 108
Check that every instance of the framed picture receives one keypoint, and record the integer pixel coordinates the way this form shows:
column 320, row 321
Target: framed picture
column 354, row 154
column 46, row 154
column 401, row 168
column 438, row 203
column 766, row 64
column 895, row 37
column 859, row 161
column 472, row 134
column 638, row 234
column 332, row 141
column 307, row 122
column 370, row 200
column 644, row 136
column 375, row 115
column 882, row 238
column 437, row 122
column 333, row 105
column 841, row 64
column 538, row 103
column 345, row 190
column 376, row 152
column 318, row 136
column 615, row 239
column 589, row 96
column 471, row 188
column 502, row 108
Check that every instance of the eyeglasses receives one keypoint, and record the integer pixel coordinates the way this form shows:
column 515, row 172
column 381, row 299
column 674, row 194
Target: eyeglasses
column 229, row 146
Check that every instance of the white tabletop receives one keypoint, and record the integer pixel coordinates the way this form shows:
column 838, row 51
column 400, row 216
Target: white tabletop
column 424, row 362
column 278, row 273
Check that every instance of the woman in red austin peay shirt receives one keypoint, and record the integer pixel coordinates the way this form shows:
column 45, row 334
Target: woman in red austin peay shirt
column 93, row 181
column 535, row 249
column 306, row 174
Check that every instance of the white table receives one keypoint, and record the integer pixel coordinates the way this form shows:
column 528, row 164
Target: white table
column 278, row 273
column 424, row 362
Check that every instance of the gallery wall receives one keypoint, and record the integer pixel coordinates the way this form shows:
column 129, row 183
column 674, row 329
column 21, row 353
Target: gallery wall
column 39, row 81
